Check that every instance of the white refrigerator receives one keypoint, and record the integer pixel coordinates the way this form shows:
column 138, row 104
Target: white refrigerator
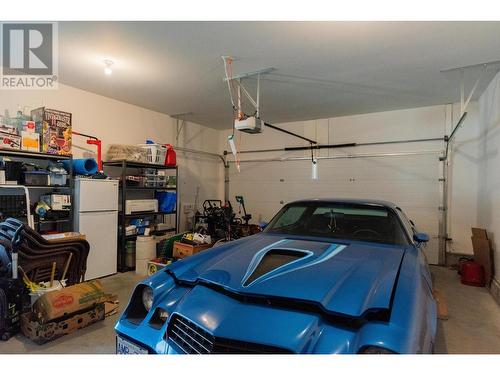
column 96, row 216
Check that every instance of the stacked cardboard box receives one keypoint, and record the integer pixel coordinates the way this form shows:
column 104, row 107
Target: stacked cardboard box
column 60, row 312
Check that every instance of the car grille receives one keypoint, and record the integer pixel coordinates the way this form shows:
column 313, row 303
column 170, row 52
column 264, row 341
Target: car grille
column 193, row 339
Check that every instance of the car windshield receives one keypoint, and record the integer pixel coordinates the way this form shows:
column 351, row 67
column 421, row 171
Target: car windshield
column 359, row 222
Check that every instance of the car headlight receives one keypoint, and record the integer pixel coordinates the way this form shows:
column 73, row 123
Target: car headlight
column 147, row 298
column 375, row 350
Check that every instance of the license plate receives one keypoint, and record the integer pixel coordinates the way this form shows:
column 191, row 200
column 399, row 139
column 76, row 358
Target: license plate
column 126, row 347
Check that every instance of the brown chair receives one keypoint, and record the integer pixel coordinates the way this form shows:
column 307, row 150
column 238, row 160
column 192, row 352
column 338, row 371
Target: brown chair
column 36, row 254
column 38, row 268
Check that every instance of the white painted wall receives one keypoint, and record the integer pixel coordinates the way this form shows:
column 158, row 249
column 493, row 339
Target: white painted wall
column 488, row 167
column 463, row 179
column 416, row 123
column 117, row 122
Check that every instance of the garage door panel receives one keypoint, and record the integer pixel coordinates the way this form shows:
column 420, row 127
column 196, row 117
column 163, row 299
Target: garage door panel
column 411, row 182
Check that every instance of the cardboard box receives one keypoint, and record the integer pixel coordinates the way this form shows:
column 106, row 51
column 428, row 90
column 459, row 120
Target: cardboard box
column 56, row 130
column 9, row 129
column 183, row 250
column 157, row 264
column 64, row 237
column 29, row 126
column 111, row 306
column 67, row 301
column 11, row 141
column 57, row 202
column 479, row 233
column 483, row 253
column 30, row 141
column 45, row 332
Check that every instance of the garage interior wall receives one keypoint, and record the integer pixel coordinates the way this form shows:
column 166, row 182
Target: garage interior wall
column 118, row 122
column 416, row 123
column 488, row 179
column 114, row 121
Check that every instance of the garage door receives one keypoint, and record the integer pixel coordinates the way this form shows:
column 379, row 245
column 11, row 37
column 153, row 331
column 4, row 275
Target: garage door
column 410, row 181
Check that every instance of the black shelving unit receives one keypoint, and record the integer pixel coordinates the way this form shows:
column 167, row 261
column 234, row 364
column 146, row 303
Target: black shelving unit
column 42, row 159
column 122, row 170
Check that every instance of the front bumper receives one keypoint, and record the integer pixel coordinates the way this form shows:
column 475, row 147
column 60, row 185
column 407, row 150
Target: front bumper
column 143, row 335
column 226, row 318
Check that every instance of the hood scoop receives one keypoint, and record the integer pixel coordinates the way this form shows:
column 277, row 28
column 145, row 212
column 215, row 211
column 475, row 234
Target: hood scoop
column 273, row 260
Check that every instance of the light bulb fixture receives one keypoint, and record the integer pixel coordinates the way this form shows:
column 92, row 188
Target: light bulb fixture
column 314, row 165
column 107, row 69
column 314, row 171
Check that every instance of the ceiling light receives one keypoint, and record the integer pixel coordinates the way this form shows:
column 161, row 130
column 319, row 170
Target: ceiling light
column 107, row 70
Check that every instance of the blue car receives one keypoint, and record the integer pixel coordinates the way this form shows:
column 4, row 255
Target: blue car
column 325, row 276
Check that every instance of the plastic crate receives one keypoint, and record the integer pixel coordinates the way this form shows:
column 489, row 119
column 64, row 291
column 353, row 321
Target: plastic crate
column 166, row 250
column 40, row 178
column 57, row 179
column 156, row 153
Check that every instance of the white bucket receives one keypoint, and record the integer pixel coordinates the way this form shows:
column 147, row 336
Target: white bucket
column 145, row 250
column 40, row 292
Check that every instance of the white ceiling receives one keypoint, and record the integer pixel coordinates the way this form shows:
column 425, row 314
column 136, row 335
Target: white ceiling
column 323, row 69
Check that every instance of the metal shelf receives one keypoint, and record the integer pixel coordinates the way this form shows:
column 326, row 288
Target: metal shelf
column 40, row 186
column 148, row 188
column 125, row 190
column 133, row 236
column 44, row 159
column 134, row 164
column 143, row 214
column 42, row 222
column 31, row 154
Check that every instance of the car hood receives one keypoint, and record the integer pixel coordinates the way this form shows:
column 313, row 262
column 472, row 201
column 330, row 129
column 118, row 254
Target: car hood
column 346, row 278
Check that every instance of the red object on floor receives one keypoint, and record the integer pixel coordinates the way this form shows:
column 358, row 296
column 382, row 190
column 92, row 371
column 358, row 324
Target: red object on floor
column 171, row 158
column 472, row 273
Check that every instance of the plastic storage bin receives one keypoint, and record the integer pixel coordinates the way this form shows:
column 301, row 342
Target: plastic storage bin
column 167, row 201
column 41, row 178
column 156, row 153
column 57, row 179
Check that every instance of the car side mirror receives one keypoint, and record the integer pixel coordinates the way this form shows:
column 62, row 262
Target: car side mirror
column 421, row 237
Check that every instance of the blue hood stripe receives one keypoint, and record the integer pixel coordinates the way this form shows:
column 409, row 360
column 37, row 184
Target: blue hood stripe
column 258, row 257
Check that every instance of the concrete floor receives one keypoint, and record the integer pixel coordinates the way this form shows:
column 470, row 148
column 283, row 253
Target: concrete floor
column 99, row 338
column 473, row 325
